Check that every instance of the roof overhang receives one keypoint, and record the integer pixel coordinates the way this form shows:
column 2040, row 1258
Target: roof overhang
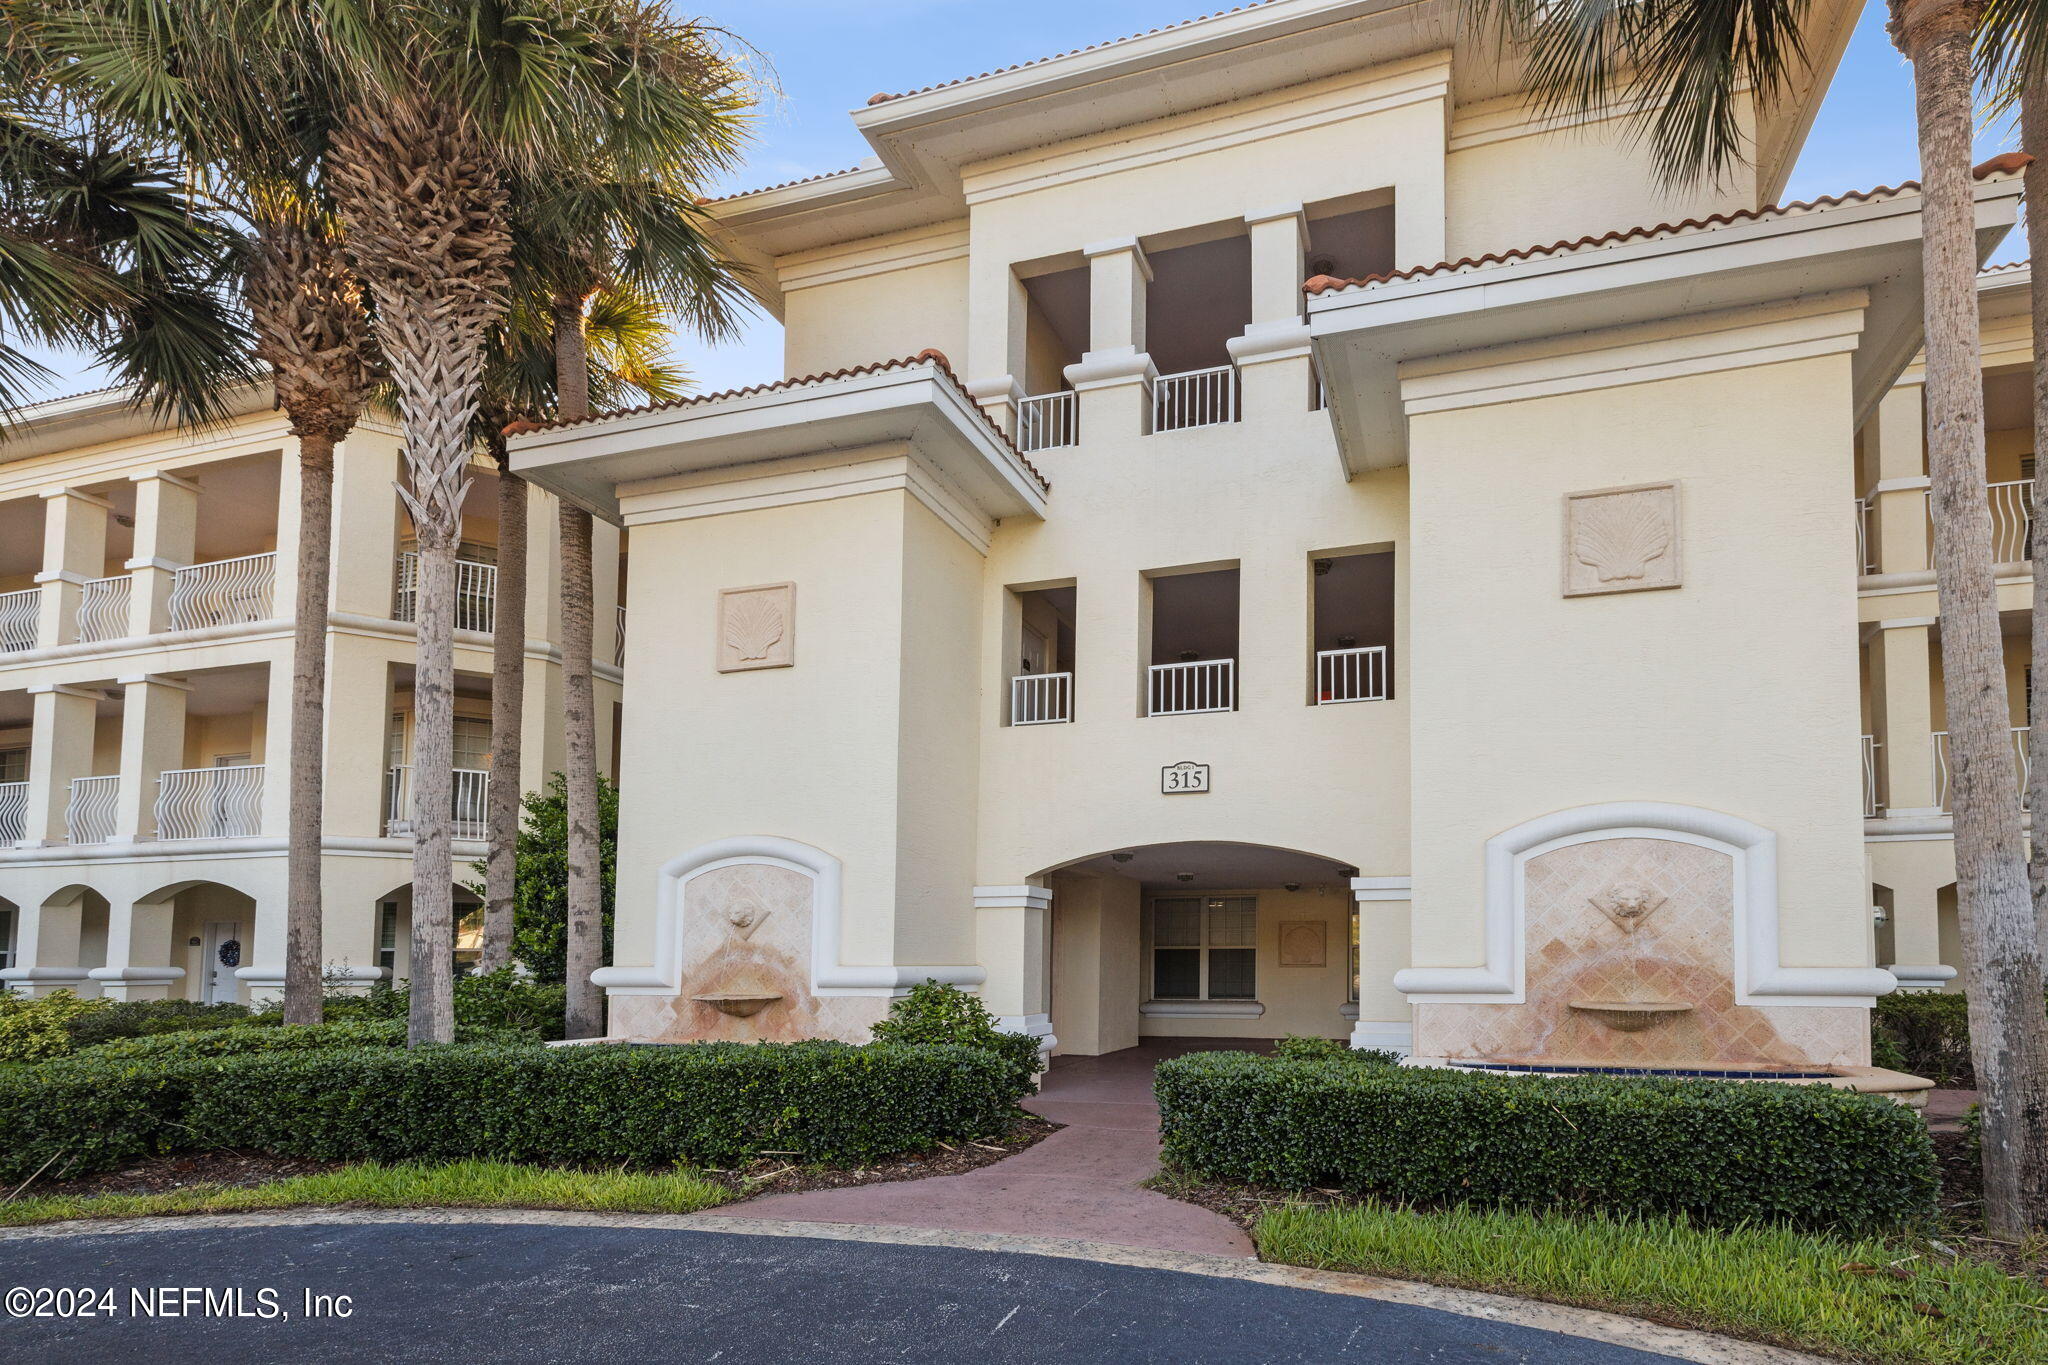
column 1363, row 335
column 916, row 404
column 105, row 415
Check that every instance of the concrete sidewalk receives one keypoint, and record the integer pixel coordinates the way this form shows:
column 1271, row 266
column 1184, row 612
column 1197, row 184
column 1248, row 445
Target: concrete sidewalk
column 1082, row 1182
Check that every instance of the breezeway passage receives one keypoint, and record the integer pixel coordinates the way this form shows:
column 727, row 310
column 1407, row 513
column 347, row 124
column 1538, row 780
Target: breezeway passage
column 575, row 1289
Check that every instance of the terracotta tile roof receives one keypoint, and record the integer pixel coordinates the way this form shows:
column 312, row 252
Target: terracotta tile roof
column 786, row 184
column 885, row 96
column 936, row 358
column 2006, row 164
column 2005, row 269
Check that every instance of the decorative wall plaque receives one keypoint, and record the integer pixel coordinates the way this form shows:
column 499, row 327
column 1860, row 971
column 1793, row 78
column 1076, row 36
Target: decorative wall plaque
column 756, row 627
column 1176, row 778
column 1621, row 539
column 1302, row 943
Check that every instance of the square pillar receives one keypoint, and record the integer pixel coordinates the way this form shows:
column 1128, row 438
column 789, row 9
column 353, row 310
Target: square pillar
column 1898, row 515
column 1902, row 653
column 277, row 743
column 1114, row 377
column 74, row 553
column 1916, row 937
column 365, row 526
column 46, row 948
column 1013, row 939
column 1385, row 1018
column 999, row 312
column 138, row 952
column 1272, row 356
column 166, row 534
column 284, row 583
column 1279, row 263
column 60, row 749
column 152, row 740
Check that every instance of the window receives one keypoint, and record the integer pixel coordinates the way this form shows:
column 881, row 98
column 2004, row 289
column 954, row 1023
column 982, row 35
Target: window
column 472, row 743
column 13, row 765
column 1353, row 997
column 394, row 743
column 6, row 937
column 1205, row 948
column 387, row 935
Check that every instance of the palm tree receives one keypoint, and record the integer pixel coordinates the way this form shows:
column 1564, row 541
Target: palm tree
column 1682, row 68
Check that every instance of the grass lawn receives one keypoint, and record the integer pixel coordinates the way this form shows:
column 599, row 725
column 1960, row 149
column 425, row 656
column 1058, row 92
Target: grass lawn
column 459, row 1184
column 1857, row 1300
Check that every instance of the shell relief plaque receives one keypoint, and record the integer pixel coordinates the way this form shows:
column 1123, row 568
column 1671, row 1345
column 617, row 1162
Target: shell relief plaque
column 756, row 627
column 1621, row 539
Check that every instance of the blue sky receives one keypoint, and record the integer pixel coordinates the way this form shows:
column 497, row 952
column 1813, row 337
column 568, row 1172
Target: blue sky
column 830, row 55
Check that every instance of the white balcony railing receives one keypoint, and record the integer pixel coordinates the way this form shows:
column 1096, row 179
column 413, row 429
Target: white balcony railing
column 476, row 593
column 1866, row 561
column 1941, row 769
column 1183, row 689
column 1047, row 420
column 1351, row 674
column 619, row 640
column 103, row 609
column 210, row 803
column 1196, row 398
column 89, row 818
column 223, row 592
column 1041, row 698
column 18, row 612
column 1870, row 803
column 469, row 807
column 2012, row 522
column 13, row 812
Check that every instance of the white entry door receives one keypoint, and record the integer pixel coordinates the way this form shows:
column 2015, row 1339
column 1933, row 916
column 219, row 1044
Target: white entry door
column 223, row 955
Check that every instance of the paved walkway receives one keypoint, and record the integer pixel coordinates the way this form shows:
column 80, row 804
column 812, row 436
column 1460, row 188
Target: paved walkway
column 1082, row 1182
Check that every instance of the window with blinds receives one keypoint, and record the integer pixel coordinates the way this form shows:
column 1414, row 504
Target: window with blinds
column 1205, row 948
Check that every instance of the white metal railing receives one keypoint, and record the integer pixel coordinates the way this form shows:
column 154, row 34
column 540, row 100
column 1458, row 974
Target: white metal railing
column 103, row 609
column 210, row 803
column 1866, row 561
column 619, row 640
column 1196, row 398
column 1041, row 698
column 2020, row 766
column 89, row 818
column 1351, row 674
column 476, row 592
column 18, row 611
column 1048, row 419
column 1870, row 803
column 2012, row 521
column 1182, row 689
column 223, row 592
column 13, row 812
column 470, row 804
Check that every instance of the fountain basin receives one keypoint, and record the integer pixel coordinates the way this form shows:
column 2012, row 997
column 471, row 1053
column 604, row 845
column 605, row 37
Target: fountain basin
column 738, row 1004
column 1631, row 1016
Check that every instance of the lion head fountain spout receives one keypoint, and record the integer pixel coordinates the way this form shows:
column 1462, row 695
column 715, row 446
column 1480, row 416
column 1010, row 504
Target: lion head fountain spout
column 1628, row 905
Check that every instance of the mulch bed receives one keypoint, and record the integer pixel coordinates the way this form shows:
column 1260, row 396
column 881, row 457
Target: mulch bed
column 164, row 1174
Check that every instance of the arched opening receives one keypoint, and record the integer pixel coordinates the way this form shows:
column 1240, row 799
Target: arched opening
column 1200, row 944
column 391, row 933
column 205, row 929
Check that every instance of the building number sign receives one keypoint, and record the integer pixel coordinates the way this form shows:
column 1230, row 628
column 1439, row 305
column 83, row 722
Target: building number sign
column 1176, row 778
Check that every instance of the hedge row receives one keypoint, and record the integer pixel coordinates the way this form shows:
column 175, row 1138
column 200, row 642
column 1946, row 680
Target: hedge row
column 715, row 1103
column 1719, row 1152
column 263, row 1035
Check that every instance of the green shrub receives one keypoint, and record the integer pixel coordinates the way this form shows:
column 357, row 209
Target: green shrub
column 719, row 1103
column 1720, row 1152
column 255, row 1036
column 932, row 1013
column 502, row 999
column 147, row 1018
column 32, row 1029
column 1926, row 1033
column 1296, row 1047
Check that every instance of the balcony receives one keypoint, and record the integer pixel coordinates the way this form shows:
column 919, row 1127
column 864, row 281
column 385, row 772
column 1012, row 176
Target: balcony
column 1184, row 689
column 619, row 639
column 18, row 620
column 470, row 804
column 1351, row 675
column 210, row 803
column 1048, row 420
column 1195, row 398
column 1041, row 698
column 476, row 593
column 1870, row 802
column 13, row 813
column 2012, row 526
column 223, row 592
column 1941, row 768
column 89, row 817
column 103, row 609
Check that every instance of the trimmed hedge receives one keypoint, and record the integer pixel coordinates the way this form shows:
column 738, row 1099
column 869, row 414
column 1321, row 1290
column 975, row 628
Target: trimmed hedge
column 264, row 1036
column 718, row 1103
column 932, row 1013
column 1926, row 1033
column 1719, row 1152
column 501, row 999
column 149, row 1018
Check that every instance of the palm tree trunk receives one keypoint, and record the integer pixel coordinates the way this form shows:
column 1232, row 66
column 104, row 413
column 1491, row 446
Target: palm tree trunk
column 508, row 705
column 2001, row 943
column 2034, row 141
column 585, row 1012
column 432, row 1012
column 302, row 964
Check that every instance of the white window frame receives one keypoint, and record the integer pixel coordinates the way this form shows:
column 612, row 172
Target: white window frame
column 1212, row 905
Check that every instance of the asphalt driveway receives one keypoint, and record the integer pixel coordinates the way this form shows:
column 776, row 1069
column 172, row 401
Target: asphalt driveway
column 539, row 1292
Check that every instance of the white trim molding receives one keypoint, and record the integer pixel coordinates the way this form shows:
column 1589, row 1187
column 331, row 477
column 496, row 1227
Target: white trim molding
column 1919, row 978
column 1012, row 898
column 829, row 975
column 1202, row 1009
column 1760, row 976
column 1384, row 1035
column 1367, row 889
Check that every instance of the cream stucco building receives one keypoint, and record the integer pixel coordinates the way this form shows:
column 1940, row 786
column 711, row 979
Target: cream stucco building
column 146, row 582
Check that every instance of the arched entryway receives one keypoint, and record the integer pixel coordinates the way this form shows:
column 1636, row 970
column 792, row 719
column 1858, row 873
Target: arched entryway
column 183, row 940
column 391, row 933
column 1202, row 939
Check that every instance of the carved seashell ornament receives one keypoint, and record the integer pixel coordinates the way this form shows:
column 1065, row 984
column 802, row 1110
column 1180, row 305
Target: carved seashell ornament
column 1619, row 537
column 754, row 625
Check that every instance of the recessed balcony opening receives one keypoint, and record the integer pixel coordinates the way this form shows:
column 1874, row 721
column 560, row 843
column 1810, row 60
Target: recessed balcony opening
column 1194, row 636
column 1041, row 658
column 1199, row 298
column 21, row 558
column 1056, row 329
column 1352, row 237
column 471, row 784
column 476, row 560
column 216, row 791
column 17, row 726
column 1353, row 626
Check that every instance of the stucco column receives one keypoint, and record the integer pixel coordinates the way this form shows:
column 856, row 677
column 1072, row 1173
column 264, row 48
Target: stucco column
column 1903, row 653
column 1898, row 516
column 1916, row 937
column 166, row 533
column 1272, row 356
column 152, row 740
column 60, row 749
column 365, row 525
column 1114, row 378
column 284, row 591
column 1013, row 932
column 74, row 553
column 277, row 744
column 46, row 947
column 998, row 346
column 138, row 952
column 1385, row 1018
